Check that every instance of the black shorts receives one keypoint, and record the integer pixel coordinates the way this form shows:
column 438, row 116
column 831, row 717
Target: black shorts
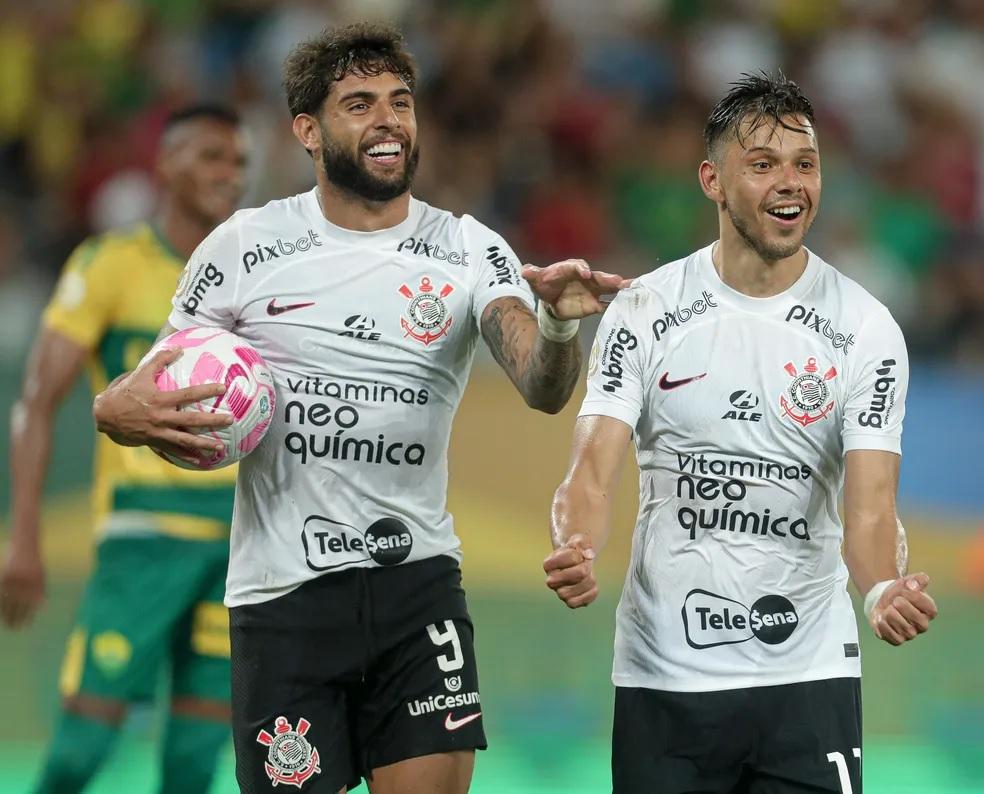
column 350, row 672
column 793, row 738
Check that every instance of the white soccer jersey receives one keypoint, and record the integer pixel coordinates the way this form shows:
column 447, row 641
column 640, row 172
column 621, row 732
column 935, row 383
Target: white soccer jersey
column 742, row 410
column 370, row 338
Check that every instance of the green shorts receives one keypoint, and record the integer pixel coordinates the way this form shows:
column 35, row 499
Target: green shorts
column 153, row 603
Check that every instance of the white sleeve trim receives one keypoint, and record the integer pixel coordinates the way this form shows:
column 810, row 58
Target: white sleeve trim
column 503, row 291
column 855, row 440
column 179, row 321
column 624, row 414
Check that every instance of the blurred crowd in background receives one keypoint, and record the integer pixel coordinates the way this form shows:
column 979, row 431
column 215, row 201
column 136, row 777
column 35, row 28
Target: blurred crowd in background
column 573, row 127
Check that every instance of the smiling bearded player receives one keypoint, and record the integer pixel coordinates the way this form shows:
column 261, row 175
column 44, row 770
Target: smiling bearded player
column 754, row 380
column 352, row 649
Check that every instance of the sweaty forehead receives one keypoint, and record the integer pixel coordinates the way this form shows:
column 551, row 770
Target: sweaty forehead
column 382, row 83
column 791, row 133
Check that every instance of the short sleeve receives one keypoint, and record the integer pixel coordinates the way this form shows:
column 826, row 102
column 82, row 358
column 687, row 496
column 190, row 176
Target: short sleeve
column 206, row 293
column 498, row 276
column 615, row 367
column 84, row 302
column 880, row 377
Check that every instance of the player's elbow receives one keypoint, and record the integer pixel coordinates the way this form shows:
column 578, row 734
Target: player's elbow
column 549, row 401
column 551, row 407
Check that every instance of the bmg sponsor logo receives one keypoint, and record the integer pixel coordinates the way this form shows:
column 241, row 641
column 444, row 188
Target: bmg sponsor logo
column 820, row 325
column 620, row 341
column 206, row 276
column 882, row 398
column 683, row 314
column 504, row 270
column 263, row 253
column 710, row 620
column 421, row 247
column 330, row 544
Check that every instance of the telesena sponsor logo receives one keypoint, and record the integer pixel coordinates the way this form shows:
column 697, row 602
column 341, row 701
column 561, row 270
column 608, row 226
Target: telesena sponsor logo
column 205, row 277
column 620, row 341
column 263, row 253
column 330, row 544
column 882, row 398
column 710, row 620
column 421, row 247
column 821, row 326
column 683, row 314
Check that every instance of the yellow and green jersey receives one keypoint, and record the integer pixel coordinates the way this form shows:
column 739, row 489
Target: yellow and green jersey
column 113, row 297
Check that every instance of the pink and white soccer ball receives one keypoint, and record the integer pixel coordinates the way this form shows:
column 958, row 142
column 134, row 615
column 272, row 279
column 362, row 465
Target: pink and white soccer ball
column 212, row 355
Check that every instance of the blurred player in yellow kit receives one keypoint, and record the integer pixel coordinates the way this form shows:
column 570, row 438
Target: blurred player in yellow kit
column 155, row 596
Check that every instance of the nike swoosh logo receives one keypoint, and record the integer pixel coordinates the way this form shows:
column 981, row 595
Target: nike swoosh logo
column 273, row 309
column 666, row 384
column 452, row 724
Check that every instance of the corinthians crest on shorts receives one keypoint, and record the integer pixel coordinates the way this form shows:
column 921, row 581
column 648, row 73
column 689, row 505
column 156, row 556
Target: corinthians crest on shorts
column 426, row 318
column 807, row 399
column 290, row 759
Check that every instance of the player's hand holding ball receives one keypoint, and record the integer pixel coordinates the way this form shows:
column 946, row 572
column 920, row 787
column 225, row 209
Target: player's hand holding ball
column 570, row 572
column 902, row 610
column 202, row 398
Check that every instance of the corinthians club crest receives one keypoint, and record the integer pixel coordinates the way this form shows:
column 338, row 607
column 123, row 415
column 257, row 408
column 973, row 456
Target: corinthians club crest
column 290, row 759
column 427, row 318
column 809, row 399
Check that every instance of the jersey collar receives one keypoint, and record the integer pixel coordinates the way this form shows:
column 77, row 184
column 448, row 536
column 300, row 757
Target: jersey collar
column 395, row 233
column 794, row 294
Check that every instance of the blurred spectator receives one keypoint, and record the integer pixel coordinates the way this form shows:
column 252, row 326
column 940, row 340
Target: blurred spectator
column 575, row 124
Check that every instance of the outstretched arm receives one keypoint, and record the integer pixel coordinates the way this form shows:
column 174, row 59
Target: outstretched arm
column 543, row 371
column 581, row 511
column 543, row 357
column 897, row 605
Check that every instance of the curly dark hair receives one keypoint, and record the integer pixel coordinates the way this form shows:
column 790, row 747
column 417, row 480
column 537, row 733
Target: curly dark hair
column 758, row 99
column 364, row 48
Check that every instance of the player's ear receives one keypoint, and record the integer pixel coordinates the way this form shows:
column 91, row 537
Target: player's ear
column 307, row 131
column 709, row 175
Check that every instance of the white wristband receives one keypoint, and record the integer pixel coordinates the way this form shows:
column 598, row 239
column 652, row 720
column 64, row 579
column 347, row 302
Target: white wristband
column 553, row 329
column 874, row 594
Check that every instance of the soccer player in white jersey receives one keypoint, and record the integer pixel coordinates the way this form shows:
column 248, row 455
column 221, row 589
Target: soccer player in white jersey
column 351, row 643
column 754, row 379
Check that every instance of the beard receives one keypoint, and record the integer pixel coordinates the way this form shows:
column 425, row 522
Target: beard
column 768, row 251
column 349, row 174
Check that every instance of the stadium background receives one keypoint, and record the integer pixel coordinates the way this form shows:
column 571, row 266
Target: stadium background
column 573, row 127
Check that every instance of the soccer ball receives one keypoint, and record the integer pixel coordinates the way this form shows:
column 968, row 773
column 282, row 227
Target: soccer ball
column 212, row 355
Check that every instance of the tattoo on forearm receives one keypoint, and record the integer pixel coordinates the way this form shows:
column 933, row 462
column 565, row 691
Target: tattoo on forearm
column 544, row 372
